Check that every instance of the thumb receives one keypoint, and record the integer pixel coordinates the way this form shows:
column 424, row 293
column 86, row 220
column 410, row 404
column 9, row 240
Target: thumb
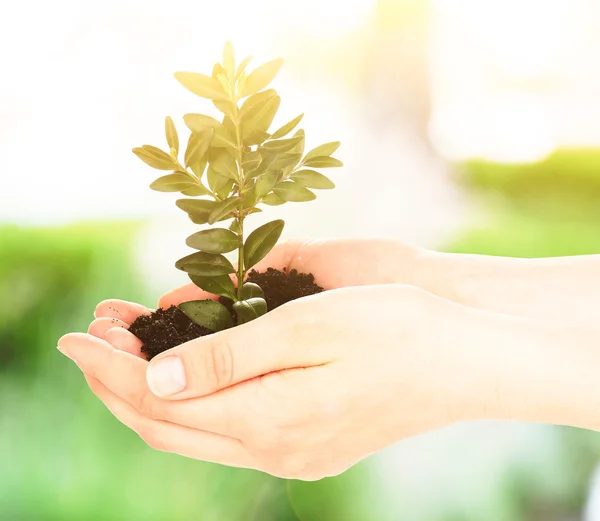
column 208, row 364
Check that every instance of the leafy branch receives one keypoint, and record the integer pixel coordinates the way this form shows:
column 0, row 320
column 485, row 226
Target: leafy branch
column 231, row 167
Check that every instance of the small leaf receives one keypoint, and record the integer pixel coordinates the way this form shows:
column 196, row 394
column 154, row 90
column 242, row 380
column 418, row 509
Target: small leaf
column 229, row 59
column 261, row 121
column 251, row 160
column 198, row 123
column 216, row 240
column 260, row 77
column 198, row 210
column 235, row 226
column 247, row 310
column 261, row 241
column 255, row 103
column 223, row 163
column 323, row 150
column 242, row 67
column 273, row 200
column 201, row 85
column 155, row 157
column 224, row 137
column 287, row 128
column 219, row 183
column 281, row 145
column 263, row 166
column 266, row 183
column 251, row 290
column 195, row 191
column 205, row 264
column 256, row 137
column 293, row 192
column 197, row 146
column 312, row 179
column 221, row 285
column 226, row 107
column 223, row 209
column 208, row 314
column 199, row 167
column 284, row 161
column 298, row 149
column 172, row 183
column 171, row 133
column 323, row 162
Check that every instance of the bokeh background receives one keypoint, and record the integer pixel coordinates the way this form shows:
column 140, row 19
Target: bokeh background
column 475, row 125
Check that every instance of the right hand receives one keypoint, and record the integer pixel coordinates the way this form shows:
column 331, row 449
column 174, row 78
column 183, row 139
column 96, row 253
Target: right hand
column 335, row 263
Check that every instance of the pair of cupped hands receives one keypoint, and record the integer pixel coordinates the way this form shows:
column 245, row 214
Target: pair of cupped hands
column 305, row 391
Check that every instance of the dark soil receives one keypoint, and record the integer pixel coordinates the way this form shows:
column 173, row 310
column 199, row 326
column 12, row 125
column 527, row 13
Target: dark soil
column 167, row 328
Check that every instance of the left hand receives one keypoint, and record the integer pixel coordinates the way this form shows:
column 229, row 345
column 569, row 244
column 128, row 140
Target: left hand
column 303, row 392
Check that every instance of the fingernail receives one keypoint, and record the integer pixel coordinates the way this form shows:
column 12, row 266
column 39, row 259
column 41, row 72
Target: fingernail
column 166, row 376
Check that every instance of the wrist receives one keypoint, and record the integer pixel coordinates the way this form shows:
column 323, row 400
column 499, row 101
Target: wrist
column 533, row 371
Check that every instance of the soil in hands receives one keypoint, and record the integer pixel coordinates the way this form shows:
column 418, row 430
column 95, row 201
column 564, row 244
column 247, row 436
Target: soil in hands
column 167, row 328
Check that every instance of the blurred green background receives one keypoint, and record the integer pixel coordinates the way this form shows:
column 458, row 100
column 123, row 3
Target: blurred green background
column 483, row 145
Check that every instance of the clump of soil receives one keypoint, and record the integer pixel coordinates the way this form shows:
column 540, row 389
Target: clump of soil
column 167, row 328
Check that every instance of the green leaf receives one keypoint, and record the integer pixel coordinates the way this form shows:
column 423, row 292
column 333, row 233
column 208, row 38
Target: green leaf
column 251, row 160
column 298, row 149
column 281, row 145
column 225, row 136
column 293, row 192
column 223, row 209
column 199, row 167
column 195, row 191
column 312, row 179
column 242, row 67
column 155, row 157
column 287, row 128
column 323, row 150
column 284, row 161
column 226, row 107
column 235, row 226
column 323, row 162
column 229, row 59
column 223, row 163
column 265, row 183
column 208, row 313
column 254, row 104
column 261, row 241
column 171, row 133
column 197, row 146
column 247, row 310
column 260, row 122
column 198, row 210
column 201, row 85
column 260, row 77
column 205, row 264
column 273, row 200
column 221, row 285
column 256, row 137
column 251, row 290
column 172, row 183
column 216, row 240
column 198, row 123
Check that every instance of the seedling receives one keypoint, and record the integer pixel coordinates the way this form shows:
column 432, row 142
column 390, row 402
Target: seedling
column 230, row 168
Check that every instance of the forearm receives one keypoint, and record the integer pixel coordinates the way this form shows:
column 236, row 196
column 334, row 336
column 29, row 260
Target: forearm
column 531, row 371
column 565, row 289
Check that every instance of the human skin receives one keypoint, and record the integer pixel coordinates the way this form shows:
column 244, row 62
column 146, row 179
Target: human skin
column 314, row 386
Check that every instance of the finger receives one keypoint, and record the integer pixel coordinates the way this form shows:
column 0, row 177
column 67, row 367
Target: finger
column 161, row 435
column 221, row 360
column 123, row 340
column 125, row 376
column 121, row 309
column 100, row 326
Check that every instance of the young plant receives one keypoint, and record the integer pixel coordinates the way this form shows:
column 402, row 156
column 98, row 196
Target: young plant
column 230, row 168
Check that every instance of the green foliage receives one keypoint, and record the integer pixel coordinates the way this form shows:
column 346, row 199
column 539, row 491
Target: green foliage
column 231, row 167
column 208, row 313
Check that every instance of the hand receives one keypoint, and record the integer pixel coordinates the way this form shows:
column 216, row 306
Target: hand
column 335, row 264
column 303, row 392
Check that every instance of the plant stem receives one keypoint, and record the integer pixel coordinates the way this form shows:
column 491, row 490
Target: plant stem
column 241, row 271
